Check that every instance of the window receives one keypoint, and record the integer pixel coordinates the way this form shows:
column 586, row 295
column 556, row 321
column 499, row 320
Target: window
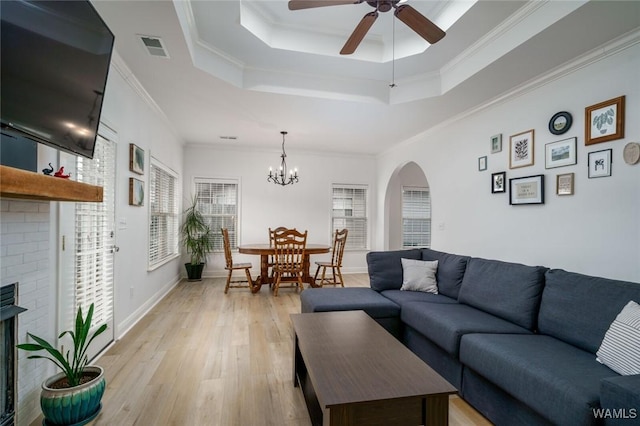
column 350, row 211
column 416, row 217
column 218, row 203
column 163, row 209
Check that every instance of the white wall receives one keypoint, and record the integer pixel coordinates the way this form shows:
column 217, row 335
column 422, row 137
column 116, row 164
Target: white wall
column 134, row 117
column 596, row 231
column 29, row 232
column 305, row 205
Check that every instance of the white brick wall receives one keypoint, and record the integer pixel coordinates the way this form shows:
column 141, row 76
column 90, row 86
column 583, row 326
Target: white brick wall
column 25, row 257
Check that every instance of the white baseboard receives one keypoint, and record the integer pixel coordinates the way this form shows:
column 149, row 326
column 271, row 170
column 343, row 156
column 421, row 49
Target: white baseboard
column 126, row 325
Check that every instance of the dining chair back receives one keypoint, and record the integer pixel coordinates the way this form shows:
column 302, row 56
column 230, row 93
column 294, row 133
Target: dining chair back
column 272, row 236
column 290, row 246
column 230, row 267
column 339, row 241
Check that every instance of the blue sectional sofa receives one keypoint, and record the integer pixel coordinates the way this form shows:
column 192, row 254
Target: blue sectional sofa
column 518, row 342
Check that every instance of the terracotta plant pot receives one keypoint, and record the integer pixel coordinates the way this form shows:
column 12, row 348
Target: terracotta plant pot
column 72, row 406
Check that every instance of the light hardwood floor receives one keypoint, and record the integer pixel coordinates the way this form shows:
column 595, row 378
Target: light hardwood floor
column 201, row 357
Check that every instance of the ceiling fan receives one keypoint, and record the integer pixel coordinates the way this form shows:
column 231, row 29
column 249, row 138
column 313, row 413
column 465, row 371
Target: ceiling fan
column 407, row 14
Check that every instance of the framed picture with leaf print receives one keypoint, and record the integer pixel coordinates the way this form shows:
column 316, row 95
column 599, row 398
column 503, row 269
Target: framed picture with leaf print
column 521, row 149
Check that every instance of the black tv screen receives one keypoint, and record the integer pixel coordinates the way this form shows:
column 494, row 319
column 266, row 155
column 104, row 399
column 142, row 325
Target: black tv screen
column 55, row 60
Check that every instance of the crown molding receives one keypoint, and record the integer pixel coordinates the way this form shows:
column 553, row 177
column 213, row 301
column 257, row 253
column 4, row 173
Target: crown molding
column 127, row 75
column 600, row 53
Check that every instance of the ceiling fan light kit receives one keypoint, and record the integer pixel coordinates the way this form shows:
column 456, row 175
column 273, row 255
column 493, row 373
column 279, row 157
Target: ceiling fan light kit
column 407, row 14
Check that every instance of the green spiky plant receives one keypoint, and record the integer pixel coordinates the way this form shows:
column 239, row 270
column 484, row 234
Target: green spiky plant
column 196, row 234
column 71, row 363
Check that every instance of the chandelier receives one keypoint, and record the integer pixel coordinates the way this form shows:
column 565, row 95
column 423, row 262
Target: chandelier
column 281, row 177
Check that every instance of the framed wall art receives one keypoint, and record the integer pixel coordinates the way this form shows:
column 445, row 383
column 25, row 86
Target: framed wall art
column 136, row 159
column 521, row 149
column 604, row 121
column 496, row 143
column 136, row 192
column 482, row 164
column 498, row 182
column 631, row 153
column 599, row 163
column 560, row 123
column 526, row 190
column 560, row 153
column 564, row 184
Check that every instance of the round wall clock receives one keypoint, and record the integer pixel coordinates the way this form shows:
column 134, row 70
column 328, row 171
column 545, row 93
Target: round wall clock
column 560, row 123
column 631, row 153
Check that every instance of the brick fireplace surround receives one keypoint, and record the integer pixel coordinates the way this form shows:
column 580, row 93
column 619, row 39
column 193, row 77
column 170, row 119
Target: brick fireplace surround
column 27, row 256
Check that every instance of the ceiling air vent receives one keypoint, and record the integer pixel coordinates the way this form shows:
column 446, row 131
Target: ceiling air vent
column 154, row 46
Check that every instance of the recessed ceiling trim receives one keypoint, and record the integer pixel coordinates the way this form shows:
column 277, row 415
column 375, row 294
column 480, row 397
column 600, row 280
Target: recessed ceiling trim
column 528, row 21
column 373, row 48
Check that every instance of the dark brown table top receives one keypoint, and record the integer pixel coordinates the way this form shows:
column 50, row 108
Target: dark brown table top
column 267, row 249
column 351, row 358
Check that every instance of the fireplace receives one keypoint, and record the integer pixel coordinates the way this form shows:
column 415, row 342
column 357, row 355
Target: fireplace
column 8, row 332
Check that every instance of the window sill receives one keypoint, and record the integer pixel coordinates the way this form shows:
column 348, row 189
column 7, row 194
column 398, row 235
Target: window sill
column 162, row 262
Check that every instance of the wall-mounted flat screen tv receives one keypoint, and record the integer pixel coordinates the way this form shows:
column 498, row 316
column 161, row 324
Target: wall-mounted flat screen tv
column 55, row 59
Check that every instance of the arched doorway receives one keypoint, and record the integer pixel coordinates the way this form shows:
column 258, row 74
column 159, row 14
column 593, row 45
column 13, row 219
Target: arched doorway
column 407, row 221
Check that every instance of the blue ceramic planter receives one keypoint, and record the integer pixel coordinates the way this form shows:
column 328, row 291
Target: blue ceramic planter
column 72, row 406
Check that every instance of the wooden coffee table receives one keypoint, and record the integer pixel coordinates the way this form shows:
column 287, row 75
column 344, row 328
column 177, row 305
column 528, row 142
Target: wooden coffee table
column 353, row 372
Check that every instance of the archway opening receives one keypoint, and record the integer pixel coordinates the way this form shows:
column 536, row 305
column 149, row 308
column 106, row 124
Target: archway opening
column 407, row 221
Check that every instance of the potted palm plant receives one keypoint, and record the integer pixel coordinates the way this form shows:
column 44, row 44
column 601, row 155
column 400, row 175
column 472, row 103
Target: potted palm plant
column 197, row 239
column 72, row 396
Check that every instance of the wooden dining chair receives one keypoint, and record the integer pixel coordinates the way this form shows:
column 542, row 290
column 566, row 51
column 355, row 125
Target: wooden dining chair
column 290, row 246
column 272, row 258
column 339, row 241
column 230, row 267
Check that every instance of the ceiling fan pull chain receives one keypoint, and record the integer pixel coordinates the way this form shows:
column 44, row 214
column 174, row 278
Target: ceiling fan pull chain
column 393, row 54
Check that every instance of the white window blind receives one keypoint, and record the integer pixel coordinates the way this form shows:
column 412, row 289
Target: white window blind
column 163, row 212
column 217, row 200
column 350, row 211
column 416, row 217
column 94, row 235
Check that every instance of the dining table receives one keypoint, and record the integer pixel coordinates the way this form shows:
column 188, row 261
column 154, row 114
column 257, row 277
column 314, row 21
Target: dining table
column 266, row 250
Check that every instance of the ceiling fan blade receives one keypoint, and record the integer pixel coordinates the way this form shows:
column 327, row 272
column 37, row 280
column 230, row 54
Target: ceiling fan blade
column 419, row 23
column 358, row 34
column 308, row 4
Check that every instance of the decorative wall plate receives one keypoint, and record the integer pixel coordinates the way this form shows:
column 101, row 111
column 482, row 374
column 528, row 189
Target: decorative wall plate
column 631, row 153
column 560, row 123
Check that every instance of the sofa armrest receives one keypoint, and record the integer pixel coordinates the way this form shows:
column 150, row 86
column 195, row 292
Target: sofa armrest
column 620, row 400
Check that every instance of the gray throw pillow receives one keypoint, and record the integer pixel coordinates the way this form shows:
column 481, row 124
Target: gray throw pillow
column 620, row 348
column 419, row 275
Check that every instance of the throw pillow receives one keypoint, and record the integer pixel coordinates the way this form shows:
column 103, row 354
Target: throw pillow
column 620, row 348
column 419, row 275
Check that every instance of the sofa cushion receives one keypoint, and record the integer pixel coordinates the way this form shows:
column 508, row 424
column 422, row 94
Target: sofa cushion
column 419, row 275
column 445, row 324
column 385, row 268
column 621, row 395
column 620, row 348
column 348, row 299
column 509, row 290
column 401, row 297
column 559, row 381
column 579, row 309
column 451, row 269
